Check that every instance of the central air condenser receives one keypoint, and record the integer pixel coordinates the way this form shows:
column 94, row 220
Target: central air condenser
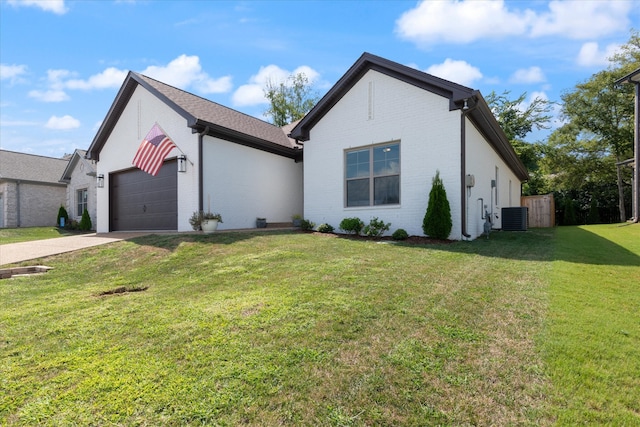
column 514, row 219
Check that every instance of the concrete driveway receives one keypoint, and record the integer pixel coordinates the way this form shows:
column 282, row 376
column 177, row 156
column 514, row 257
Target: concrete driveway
column 23, row 251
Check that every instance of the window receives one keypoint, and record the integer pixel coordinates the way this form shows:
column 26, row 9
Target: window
column 373, row 176
column 81, row 199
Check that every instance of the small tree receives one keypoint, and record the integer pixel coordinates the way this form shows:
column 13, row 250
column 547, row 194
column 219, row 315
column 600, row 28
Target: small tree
column 85, row 221
column 437, row 220
column 62, row 213
column 289, row 100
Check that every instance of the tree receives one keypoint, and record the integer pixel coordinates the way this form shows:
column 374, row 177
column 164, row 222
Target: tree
column 437, row 220
column 289, row 100
column 62, row 213
column 85, row 221
column 599, row 129
column 517, row 120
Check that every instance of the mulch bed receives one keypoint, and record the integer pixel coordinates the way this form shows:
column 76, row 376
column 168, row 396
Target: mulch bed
column 411, row 240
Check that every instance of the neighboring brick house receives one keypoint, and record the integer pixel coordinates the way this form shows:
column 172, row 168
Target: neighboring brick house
column 80, row 177
column 30, row 190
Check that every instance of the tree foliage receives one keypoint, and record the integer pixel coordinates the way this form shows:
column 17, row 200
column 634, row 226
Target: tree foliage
column 598, row 132
column 289, row 100
column 517, row 120
column 437, row 220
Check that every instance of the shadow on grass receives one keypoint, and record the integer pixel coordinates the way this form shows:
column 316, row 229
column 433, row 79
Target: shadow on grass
column 575, row 245
column 172, row 241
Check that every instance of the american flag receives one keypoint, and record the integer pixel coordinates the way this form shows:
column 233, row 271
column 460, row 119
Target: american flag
column 152, row 151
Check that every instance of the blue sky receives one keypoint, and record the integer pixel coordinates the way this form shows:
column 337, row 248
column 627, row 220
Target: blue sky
column 63, row 62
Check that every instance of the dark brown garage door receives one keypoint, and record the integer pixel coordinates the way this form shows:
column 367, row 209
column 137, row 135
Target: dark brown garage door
column 140, row 201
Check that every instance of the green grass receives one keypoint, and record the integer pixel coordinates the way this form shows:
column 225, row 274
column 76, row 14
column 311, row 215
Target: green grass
column 15, row 235
column 592, row 341
column 304, row 329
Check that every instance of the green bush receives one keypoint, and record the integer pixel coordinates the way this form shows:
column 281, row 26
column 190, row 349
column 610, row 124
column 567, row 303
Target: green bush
column 307, row 225
column 352, row 225
column 594, row 214
column 437, row 220
column 400, row 234
column 62, row 213
column 85, row 221
column 325, row 228
column 569, row 212
column 376, row 227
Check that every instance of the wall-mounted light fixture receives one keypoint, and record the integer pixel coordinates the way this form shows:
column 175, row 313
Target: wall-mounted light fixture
column 182, row 163
column 100, row 181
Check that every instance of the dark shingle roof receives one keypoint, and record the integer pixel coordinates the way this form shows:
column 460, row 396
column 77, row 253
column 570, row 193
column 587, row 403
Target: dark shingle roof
column 459, row 96
column 28, row 167
column 201, row 114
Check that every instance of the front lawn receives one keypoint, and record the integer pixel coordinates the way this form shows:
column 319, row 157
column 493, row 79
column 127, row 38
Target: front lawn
column 306, row 329
column 25, row 234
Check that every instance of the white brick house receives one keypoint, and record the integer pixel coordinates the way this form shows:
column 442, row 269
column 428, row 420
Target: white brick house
column 373, row 143
column 237, row 165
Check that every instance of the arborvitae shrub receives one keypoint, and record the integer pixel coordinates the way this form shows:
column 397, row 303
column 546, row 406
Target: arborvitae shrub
column 569, row 212
column 594, row 214
column 62, row 213
column 437, row 220
column 85, row 222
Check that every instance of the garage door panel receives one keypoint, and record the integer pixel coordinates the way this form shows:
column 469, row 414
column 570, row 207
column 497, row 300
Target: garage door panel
column 140, row 201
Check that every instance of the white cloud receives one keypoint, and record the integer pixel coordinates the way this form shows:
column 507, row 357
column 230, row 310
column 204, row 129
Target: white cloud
column 62, row 123
column 109, row 78
column 253, row 92
column 52, row 95
column 55, row 6
column 582, row 19
column 528, row 75
column 455, row 21
column 186, row 71
column 459, row 72
column 12, row 72
column 590, row 54
column 459, row 21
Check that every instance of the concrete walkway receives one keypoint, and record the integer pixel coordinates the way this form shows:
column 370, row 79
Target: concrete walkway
column 23, row 251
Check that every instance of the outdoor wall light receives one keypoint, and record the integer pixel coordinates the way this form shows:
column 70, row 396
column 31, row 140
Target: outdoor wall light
column 101, row 181
column 182, row 163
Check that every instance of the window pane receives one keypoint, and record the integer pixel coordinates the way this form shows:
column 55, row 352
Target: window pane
column 386, row 190
column 358, row 164
column 358, row 192
column 386, row 160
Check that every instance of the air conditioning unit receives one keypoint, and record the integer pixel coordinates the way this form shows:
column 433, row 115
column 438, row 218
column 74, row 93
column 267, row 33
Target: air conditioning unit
column 514, row 219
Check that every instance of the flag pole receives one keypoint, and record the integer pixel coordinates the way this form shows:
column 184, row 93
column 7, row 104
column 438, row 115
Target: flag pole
column 178, row 147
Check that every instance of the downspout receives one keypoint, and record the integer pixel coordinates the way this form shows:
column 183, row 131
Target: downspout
column 463, row 162
column 18, row 202
column 200, row 168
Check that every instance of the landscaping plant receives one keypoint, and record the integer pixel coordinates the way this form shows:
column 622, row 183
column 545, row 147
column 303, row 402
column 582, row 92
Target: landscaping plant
column 352, row 225
column 437, row 220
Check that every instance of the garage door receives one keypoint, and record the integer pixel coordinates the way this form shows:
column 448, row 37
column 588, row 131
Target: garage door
column 140, row 201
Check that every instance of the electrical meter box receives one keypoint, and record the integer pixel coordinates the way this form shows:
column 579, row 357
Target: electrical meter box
column 470, row 180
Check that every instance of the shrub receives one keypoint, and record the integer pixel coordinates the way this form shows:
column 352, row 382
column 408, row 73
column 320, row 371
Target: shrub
column 594, row 214
column 400, row 234
column 569, row 212
column 376, row 227
column 352, row 225
column 196, row 220
column 307, row 225
column 62, row 213
column 325, row 228
column 85, row 221
column 437, row 220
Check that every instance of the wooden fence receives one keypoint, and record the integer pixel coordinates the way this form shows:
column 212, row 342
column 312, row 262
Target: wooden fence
column 541, row 210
